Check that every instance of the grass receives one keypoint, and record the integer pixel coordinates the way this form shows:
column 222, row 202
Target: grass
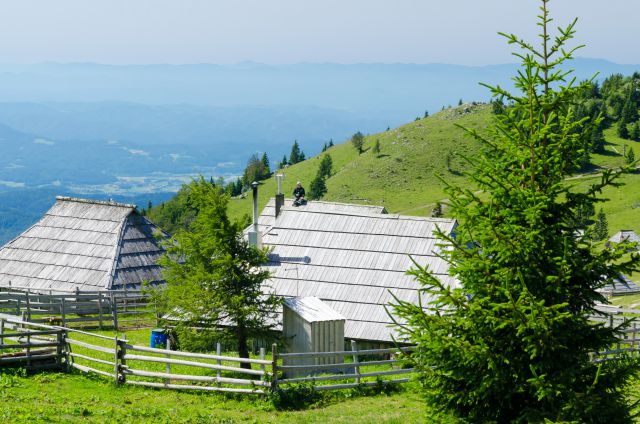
column 55, row 397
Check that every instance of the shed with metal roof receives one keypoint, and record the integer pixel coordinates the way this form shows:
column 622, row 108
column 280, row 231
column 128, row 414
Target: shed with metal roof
column 352, row 257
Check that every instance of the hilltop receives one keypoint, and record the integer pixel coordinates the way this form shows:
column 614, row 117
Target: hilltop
column 403, row 177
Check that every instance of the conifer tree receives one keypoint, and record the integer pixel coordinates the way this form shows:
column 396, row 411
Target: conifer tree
column 601, row 227
column 331, row 143
column 284, row 162
column 635, row 132
column 214, row 276
column 265, row 162
column 294, row 157
column 357, row 140
column 631, row 156
column 512, row 341
column 426, row 113
column 622, row 130
column 597, row 139
column 326, row 166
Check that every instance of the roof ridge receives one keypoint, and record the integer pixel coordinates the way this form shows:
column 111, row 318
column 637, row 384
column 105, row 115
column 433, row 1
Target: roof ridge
column 374, row 215
column 96, row 202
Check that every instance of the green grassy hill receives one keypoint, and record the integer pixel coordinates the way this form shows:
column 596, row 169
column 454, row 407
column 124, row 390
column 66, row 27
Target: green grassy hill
column 403, row 177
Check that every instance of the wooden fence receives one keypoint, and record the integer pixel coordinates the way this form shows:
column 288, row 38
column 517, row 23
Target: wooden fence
column 35, row 346
column 126, row 363
column 115, row 309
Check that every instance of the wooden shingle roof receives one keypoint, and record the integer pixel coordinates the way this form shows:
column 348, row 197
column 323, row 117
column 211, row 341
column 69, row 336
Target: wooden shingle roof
column 85, row 245
column 353, row 258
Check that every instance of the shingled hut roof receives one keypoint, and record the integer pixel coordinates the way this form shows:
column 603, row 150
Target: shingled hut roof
column 354, row 258
column 85, row 245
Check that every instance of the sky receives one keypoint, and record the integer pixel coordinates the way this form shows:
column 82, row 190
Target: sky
column 292, row 31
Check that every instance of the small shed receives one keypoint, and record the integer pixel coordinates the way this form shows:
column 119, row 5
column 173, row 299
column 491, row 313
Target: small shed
column 310, row 325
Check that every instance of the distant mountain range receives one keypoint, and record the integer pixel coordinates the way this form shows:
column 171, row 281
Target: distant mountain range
column 139, row 132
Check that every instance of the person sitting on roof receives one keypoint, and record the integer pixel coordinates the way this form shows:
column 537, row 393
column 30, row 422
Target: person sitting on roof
column 299, row 193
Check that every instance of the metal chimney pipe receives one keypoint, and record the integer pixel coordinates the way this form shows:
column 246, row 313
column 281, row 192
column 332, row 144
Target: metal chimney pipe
column 254, row 186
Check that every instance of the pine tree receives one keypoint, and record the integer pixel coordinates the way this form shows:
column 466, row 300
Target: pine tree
column 331, row 143
column 631, row 157
column 214, row 275
column 460, row 102
column 623, row 131
column 358, row 141
column 302, row 157
column 296, row 155
column 284, row 162
column 318, row 187
column 426, row 113
column 326, row 166
column 601, row 227
column 324, row 147
column 265, row 162
column 629, row 111
column 597, row 139
column 511, row 340
column 635, row 131
column 376, row 148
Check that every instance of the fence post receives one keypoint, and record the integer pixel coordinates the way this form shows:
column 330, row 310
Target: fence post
column 100, row 309
column 114, row 310
column 274, row 367
column 28, row 307
column 356, row 361
column 59, row 351
column 168, row 365
column 218, row 361
column 633, row 342
column 262, row 367
column 64, row 312
column 610, row 320
column 123, row 356
column 116, row 360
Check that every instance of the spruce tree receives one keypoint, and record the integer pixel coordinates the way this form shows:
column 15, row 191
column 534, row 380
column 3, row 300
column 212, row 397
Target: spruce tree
column 357, row 140
column 426, row 113
column 294, row 157
column 284, row 162
column 511, row 341
column 635, row 132
column 601, row 227
column 622, row 130
column 326, row 166
column 331, row 143
column 318, row 187
column 597, row 139
column 631, row 157
column 265, row 162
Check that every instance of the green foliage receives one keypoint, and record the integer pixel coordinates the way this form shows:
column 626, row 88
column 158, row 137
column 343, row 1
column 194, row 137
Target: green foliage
column 497, row 106
column 513, row 342
column 214, row 275
column 623, row 131
column 635, row 131
column 426, row 114
column 357, row 140
column 326, row 166
column 631, row 156
column 296, row 154
column 265, row 163
column 318, row 187
column 256, row 170
column 601, row 227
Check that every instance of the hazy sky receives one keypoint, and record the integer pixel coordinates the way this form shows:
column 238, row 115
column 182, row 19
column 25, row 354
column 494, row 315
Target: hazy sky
column 290, row 31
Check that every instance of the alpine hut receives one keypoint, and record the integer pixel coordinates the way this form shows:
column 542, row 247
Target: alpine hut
column 354, row 258
column 84, row 245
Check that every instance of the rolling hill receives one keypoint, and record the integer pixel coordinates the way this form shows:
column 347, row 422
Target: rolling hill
column 404, row 179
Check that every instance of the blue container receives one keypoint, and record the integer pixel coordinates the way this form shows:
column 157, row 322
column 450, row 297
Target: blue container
column 158, row 338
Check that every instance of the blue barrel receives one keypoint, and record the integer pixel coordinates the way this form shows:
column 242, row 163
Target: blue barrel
column 158, row 338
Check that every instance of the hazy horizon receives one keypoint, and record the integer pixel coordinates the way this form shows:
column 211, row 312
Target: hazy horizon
column 288, row 32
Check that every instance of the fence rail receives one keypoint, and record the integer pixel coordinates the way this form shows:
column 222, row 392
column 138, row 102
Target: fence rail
column 71, row 309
